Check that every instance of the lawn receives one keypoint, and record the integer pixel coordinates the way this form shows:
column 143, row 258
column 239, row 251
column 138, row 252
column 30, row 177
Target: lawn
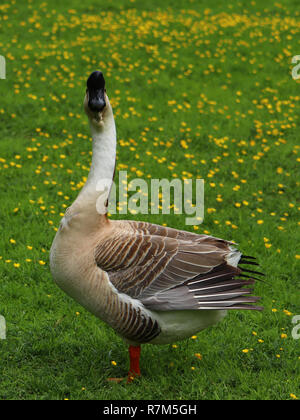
column 199, row 90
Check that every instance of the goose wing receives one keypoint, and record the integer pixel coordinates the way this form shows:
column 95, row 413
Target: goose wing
column 169, row 269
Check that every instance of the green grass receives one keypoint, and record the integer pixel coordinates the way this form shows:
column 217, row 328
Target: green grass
column 208, row 88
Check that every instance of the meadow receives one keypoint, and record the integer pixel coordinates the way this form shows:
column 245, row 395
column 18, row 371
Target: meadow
column 199, row 90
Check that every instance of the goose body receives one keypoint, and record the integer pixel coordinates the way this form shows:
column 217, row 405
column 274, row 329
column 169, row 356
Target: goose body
column 84, row 267
column 152, row 284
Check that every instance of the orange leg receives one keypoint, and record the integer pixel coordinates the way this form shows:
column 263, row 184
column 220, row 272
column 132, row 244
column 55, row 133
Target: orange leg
column 134, row 355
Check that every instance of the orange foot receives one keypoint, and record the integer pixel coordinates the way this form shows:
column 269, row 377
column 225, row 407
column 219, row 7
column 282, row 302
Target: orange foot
column 132, row 376
column 115, row 380
column 134, row 370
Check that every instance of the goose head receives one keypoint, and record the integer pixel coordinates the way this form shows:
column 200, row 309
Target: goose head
column 96, row 103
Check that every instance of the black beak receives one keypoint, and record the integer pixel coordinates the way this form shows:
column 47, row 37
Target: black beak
column 96, row 90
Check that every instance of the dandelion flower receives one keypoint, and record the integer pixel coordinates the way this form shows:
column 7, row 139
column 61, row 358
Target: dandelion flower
column 199, row 356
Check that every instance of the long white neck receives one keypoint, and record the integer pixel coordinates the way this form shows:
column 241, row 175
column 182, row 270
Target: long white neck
column 102, row 169
column 104, row 153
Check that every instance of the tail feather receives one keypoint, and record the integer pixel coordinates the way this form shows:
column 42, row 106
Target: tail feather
column 243, row 261
column 253, row 272
column 223, row 288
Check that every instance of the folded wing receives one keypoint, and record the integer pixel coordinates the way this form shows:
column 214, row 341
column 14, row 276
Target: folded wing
column 169, row 269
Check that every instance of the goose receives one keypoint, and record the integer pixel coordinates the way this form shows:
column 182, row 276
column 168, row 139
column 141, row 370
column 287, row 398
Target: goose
column 152, row 284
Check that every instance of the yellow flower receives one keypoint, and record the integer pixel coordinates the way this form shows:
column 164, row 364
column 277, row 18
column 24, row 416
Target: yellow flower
column 114, row 363
column 42, row 262
column 288, row 313
column 245, row 351
column 283, row 335
column 12, row 241
column 183, row 144
column 293, row 396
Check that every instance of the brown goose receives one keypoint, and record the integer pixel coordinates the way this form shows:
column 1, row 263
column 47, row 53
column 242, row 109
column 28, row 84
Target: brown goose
column 152, row 284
